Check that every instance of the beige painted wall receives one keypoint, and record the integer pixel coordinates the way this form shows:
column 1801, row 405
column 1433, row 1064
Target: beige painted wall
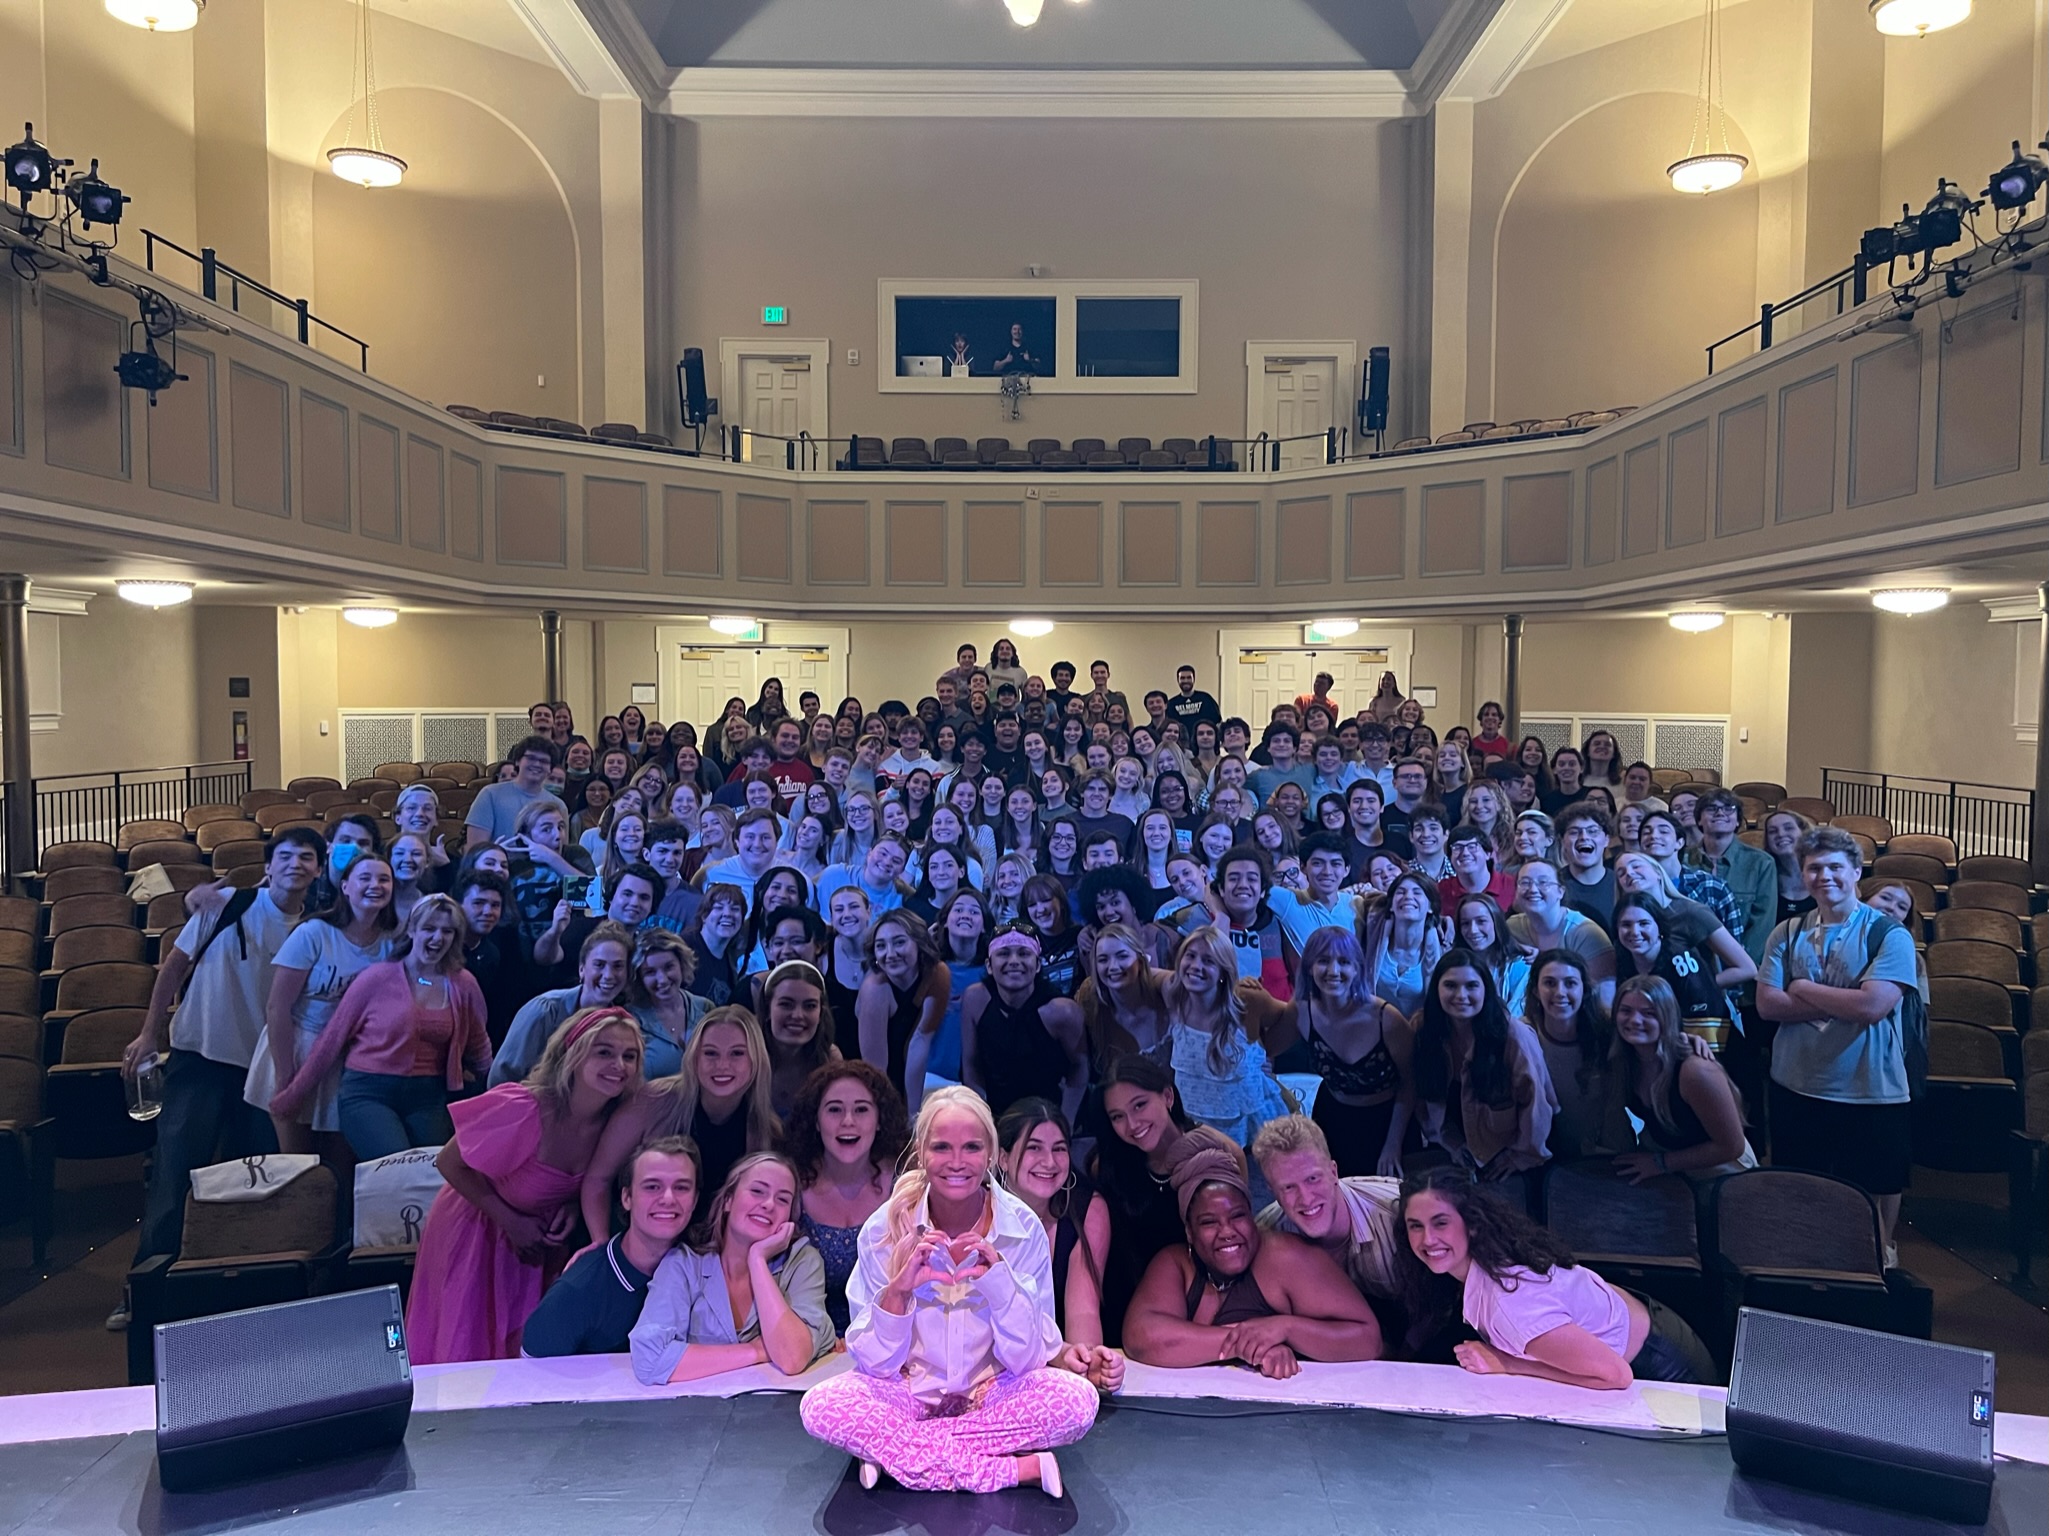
column 1942, row 701
column 129, row 690
column 309, row 689
column 238, row 642
column 1292, row 229
column 1828, row 696
column 1760, row 651
column 1955, row 101
column 436, row 661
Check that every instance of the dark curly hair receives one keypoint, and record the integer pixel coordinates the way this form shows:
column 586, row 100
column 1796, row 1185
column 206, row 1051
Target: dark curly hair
column 806, row 1148
column 1498, row 1237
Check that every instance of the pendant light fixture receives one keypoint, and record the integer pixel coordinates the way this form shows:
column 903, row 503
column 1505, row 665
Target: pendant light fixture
column 1917, row 18
column 157, row 15
column 1709, row 165
column 362, row 158
column 1024, row 12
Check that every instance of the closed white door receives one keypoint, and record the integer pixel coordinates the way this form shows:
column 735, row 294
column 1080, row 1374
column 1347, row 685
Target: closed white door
column 1299, row 402
column 775, row 403
column 1267, row 677
column 708, row 675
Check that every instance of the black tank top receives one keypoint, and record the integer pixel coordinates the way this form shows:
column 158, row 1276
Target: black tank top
column 1016, row 1057
column 1686, row 1127
column 903, row 1023
column 1371, row 1076
column 1239, row 1299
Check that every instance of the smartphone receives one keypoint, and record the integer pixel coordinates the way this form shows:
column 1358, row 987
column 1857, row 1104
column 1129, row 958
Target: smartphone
column 576, row 889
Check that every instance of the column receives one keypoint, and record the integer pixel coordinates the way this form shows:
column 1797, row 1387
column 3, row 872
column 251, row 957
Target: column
column 551, row 654
column 2040, row 851
column 15, row 772
column 1512, row 675
column 1451, row 234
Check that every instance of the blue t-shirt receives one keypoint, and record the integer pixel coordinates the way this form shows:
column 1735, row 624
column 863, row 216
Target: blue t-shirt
column 591, row 1309
column 1834, row 1059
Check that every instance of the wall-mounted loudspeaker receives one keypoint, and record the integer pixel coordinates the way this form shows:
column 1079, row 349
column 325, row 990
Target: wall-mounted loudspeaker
column 1373, row 404
column 698, row 408
column 248, row 1394
column 1869, row 1416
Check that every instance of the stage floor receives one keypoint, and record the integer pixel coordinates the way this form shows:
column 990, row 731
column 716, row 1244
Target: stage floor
column 1151, row 1467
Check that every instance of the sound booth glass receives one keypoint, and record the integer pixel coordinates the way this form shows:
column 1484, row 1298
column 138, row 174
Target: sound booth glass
column 926, row 326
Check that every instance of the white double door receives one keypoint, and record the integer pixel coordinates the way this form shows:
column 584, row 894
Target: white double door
column 1266, row 676
column 705, row 676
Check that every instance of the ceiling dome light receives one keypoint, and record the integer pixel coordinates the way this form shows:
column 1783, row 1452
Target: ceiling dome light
column 1024, row 12
column 733, row 624
column 1895, row 18
column 1910, row 599
column 366, row 167
column 1031, row 629
column 183, row 15
column 155, row 594
column 1696, row 621
column 1336, row 629
column 1702, row 174
column 371, row 618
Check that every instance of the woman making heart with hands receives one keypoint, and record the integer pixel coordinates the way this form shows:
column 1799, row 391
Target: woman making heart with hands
column 961, row 1379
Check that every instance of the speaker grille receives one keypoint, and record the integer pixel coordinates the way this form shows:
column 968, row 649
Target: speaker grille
column 1861, row 1385
column 272, row 1365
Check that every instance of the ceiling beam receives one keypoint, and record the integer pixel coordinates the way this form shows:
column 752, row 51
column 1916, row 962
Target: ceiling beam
column 1080, row 93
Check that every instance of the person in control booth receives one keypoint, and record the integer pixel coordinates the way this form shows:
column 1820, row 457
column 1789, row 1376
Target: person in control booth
column 1019, row 358
column 959, row 359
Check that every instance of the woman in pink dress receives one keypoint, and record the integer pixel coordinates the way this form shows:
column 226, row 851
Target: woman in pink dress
column 496, row 1235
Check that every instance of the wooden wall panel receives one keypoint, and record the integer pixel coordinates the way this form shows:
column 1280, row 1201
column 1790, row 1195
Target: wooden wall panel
column 693, row 533
column 1604, row 508
column 614, row 525
column 1227, row 544
column 1071, row 544
column 1979, row 363
column 325, row 469
column 1885, row 423
column 1642, row 490
column 85, row 409
column 1536, row 522
column 1149, row 544
column 1686, row 507
column 377, row 467
column 259, row 442
column 1302, row 532
column 1740, row 468
column 1455, row 529
column 13, row 426
column 836, row 543
column 465, row 507
column 182, row 431
column 1376, row 535
column 914, row 543
column 993, row 544
column 762, row 525
column 1807, row 448
column 532, row 517
column 426, row 500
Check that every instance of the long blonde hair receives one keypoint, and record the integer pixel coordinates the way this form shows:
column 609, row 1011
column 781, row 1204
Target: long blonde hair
column 553, row 1078
column 676, row 1098
column 1223, row 1020
column 709, row 1236
column 912, row 1184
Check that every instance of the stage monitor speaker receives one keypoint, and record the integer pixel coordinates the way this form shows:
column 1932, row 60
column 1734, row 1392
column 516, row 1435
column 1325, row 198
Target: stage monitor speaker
column 698, row 408
column 1875, row 1417
column 1373, row 408
column 246, row 1394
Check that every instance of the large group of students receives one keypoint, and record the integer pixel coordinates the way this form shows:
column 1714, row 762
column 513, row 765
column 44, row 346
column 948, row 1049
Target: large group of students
column 972, row 1035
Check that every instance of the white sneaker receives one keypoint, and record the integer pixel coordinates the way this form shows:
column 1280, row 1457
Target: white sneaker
column 1049, row 1475
column 119, row 1319
column 870, row 1474
column 1892, row 1255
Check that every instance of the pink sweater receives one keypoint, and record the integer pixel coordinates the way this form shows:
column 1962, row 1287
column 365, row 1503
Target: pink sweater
column 377, row 1025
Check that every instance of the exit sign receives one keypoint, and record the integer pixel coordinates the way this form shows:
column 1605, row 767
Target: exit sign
column 775, row 314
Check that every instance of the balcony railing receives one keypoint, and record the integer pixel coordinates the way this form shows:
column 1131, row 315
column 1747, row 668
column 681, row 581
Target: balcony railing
column 1978, row 818
column 95, row 806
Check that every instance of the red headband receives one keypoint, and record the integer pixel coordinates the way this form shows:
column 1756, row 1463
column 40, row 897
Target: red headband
column 597, row 1018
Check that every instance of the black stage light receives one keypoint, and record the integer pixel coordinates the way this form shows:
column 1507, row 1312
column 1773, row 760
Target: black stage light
column 97, row 201
column 30, row 167
column 2015, row 184
column 1942, row 220
column 146, row 370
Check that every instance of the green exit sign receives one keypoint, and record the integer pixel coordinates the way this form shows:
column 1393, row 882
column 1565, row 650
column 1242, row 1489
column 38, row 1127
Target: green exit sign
column 775, row 314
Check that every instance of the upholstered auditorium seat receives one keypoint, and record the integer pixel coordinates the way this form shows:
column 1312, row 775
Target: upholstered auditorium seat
column 1132, row 447
column 1013, row 458
column 987, row 448
column 1106, row 459
column 944, row 449
column 615, row 431
column 1159, row 458
column 1039, row 447
column 909, row 453
column 467, row 412
column 1085, row 446
column 1059, row 458
column 560, row 427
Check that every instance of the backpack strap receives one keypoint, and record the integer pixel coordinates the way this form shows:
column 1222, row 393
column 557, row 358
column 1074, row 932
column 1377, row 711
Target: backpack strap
column 231, row 917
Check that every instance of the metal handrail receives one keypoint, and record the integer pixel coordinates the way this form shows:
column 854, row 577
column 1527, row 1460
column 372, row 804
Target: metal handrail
column 1978, row 818
column 95, row 805
column 212, row 269
column 1852, row 280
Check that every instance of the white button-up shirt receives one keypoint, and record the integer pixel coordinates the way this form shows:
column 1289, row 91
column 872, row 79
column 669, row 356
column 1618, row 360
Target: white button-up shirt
column 939, row 1348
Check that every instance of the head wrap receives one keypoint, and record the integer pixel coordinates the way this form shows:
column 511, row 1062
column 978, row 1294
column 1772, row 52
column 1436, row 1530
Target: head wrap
column 1206, row 1156
column 597, row 1018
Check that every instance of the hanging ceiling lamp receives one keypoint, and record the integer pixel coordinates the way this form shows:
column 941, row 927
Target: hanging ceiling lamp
column 157, row 15
column 1709, row 164
column 364, row 160
column 1911, row 18
column 1024, row 12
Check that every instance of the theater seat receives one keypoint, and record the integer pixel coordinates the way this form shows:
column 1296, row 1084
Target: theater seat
column 622, row 431
column 1970, row 1104
column 1643, row 1236
column 1551, row 424
column 560, row 427
column 909, row 453
column 1132, row 447
column 1180, row 447
column 653, row 440
column 1454, row 437
column 514, row 419
column 28, row 1160
column 1594, row 418
column 1059, row 458
column 1411, row 442
column 1013, row 459
column 1159, row 458
column 1039, row 447
column 987, row 448
column 1808, row 1245
column 1085, row 446
column 467, row 412
column 1106, row 458
column 1496, row 434
column 943, row 448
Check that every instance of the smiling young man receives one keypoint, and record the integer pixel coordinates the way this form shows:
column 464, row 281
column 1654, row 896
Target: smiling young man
column 1243, row 879
column 1356, row 1221
column 593, row 1307
column 494, row 814
column 1019, row 1038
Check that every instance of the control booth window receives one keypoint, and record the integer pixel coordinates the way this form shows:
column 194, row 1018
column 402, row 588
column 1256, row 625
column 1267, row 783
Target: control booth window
column 947, row 336
column 1072, row 336
column 1127, row 338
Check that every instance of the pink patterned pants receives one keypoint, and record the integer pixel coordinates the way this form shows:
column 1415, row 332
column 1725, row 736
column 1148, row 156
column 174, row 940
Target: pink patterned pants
column 880, row 1420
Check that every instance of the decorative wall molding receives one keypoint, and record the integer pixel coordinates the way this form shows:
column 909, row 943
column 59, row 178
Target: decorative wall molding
column 598, row 45
column 1479, row 48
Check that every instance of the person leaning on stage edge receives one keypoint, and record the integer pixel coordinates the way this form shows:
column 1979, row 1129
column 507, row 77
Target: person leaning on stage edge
column 494, row 814
column 212, row 1038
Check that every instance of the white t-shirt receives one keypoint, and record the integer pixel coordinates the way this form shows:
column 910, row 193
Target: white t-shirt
column 330, row 962
column 221, row 1017
column 1529, row 1305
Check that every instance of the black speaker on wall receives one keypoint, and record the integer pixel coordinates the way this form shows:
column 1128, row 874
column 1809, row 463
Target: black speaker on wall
column 1373, row 404
column 698, row 407
column 1874, row 1417
column 248, row 1394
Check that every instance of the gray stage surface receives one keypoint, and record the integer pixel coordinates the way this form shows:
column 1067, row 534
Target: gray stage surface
column 1150, row 1468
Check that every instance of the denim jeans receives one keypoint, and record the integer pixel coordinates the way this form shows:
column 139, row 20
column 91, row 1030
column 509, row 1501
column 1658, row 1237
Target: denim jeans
column 204, row 1121
column 382, row 1113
